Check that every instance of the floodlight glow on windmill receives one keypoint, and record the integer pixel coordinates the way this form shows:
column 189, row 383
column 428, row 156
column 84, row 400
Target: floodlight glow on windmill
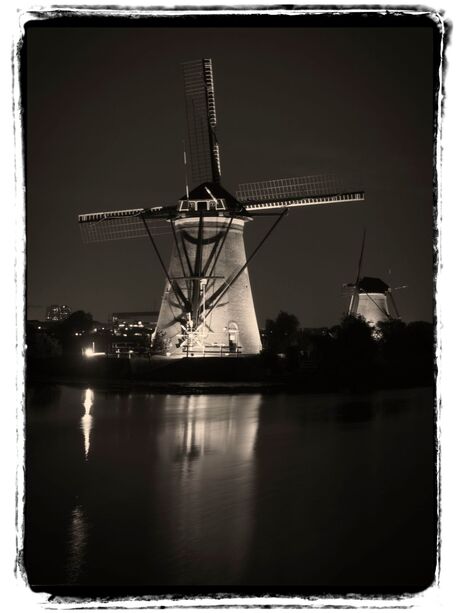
column 371, row 298
column 207, row 307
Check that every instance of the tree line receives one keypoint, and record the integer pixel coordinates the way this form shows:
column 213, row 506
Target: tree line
column 350, row 355
column 353, row 353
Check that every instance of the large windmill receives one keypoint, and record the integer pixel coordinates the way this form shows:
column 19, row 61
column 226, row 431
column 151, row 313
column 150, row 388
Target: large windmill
column 371, row 298
column 207, row 307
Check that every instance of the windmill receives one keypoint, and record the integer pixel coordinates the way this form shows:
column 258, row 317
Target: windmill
column 371, row 297
column 207, row 307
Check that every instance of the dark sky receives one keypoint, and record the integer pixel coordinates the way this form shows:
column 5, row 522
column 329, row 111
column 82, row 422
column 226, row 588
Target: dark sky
column 105, row 120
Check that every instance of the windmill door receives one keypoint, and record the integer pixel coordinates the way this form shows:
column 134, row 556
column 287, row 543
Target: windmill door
column 232, row 337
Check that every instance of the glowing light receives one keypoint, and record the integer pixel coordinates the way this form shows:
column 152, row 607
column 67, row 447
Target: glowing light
column 90, row 352
column 87, row 419
column 89, row 400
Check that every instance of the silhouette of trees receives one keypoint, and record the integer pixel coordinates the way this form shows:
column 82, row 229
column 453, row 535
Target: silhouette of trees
column 354, row 352
column 407, row 352
column 78, row 322
column 160, row 343
column 40, row 344
column 282, row 333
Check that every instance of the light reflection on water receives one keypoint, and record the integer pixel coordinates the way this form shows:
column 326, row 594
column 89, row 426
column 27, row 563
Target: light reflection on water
column 201, row 452
column 78, row 542
column 210, row 442
column 145, row 489
column 87, row 419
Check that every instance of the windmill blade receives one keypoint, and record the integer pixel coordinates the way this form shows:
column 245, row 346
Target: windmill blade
column 394, row 289
column 124, row 224
column 293, row 188
column 348, row 289
column 307, row 201
column 295, row 191
column 393, row 304
column 360, row 261
column 201, row 121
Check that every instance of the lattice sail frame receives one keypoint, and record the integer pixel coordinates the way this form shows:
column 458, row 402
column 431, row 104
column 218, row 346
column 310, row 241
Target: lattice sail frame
column 263, row 195
column 200, row 105
column 292, row 187
column 296, row 191
column 123, row 224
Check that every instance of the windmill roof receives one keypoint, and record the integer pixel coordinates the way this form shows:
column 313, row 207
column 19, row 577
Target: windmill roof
column 373, row 285
column 200, row 193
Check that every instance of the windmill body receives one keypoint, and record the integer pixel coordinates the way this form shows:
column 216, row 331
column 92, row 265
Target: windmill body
column 207, row 307
column 370, row 300
column 208, row 253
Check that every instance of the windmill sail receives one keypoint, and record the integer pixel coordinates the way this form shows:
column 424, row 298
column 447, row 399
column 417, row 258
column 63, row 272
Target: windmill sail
column 295, row 191
column 201, row 121
column 355, row 298
column 124, row 224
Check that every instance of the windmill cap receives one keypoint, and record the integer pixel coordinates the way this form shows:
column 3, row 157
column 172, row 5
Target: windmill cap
column 372, row 285
column 201, row 193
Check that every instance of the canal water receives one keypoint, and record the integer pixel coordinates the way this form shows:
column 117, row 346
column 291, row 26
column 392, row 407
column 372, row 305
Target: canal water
column 319, row 492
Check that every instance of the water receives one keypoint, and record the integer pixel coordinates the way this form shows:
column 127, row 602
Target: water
column 316, row 491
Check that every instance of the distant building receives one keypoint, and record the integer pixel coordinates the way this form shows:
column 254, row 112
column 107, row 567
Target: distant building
column 56, row 312
column 135, row 319
column 132, row 332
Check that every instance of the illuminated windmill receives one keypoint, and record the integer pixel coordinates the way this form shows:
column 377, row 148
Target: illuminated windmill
column 371, row 297
column 207, row 307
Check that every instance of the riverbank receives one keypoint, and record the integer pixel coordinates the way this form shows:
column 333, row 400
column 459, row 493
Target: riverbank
column 165, row 387
column 219, row 375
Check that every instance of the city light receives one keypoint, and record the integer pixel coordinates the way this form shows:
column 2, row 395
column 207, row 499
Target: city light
column 90, row 352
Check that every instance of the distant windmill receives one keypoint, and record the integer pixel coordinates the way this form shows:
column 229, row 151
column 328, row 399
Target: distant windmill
column 207, row 307
column 371, row 297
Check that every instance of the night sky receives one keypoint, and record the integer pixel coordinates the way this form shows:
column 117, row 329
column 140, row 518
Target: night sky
column 105, row 120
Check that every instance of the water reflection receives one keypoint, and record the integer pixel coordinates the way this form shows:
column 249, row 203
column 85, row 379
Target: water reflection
column 209, row 425
column 229, row 490
column 44, row 395
column 210, row 440
column 87, row 419
column 355, row 411
column 78, row 543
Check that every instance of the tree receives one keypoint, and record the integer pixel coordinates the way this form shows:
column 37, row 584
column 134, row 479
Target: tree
column 65, row 330
column 282, row 333
column 41, row 345
column 78, row 321
column 407, row 352
column 392, row 340
column 356, row 351
column 161, row 343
